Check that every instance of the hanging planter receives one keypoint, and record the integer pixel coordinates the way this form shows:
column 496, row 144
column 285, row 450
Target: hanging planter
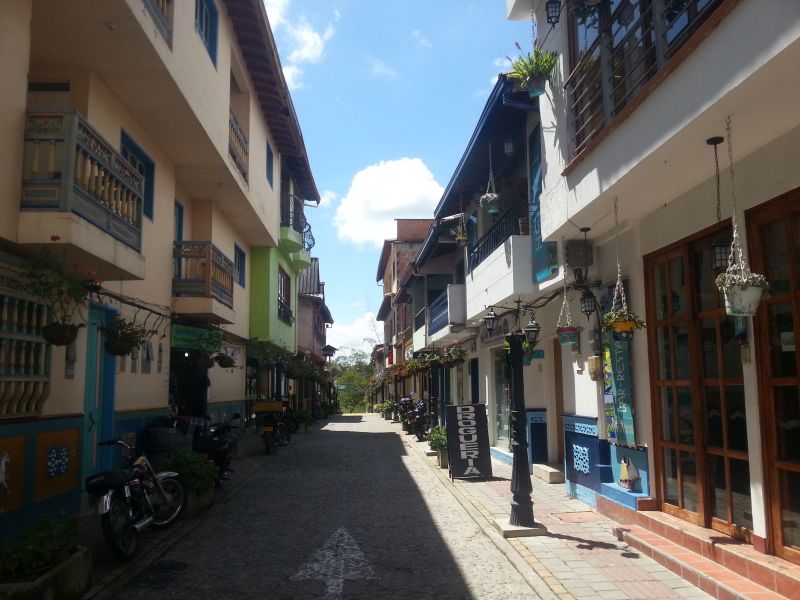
column 491, row 199
column 742, row 288
column 122, row 336
column 566, row 332
column 567, row 335
column 527, row 358
column 60, row 334
column 225, row 361
column 535, row 87
column 533, row 69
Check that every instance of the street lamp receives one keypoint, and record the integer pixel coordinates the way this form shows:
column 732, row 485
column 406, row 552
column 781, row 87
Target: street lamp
column 490, row 322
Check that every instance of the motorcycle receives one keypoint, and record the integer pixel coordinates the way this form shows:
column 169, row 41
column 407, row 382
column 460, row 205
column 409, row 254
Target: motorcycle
column 420, row 421
column 130, row 500
column 404, row 407
column 220, row 443
column 274, row 431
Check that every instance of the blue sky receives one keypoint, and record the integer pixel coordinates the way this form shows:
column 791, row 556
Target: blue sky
column 388, row 95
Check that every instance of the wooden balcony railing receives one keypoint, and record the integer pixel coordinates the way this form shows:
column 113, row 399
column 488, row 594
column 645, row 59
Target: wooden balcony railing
column 161, row 13
column 69, row 167
column 201, row 270
column 237, row 144
column 635, row 42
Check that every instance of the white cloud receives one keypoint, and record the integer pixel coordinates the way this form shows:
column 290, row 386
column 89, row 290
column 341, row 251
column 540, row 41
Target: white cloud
column 383, row 192
column 276, row 12
column 309, row 44
column 346, row 337
column 381, row 69
column 420, row 40
column 326, row 198
column 293, row 75
column 503, row 63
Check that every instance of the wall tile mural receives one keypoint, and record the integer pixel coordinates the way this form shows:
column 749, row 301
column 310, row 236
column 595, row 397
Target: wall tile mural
column 56, row 462
column 12, row 472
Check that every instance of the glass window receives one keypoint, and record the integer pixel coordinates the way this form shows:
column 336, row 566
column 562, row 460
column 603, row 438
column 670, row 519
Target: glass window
column 239, row 264
column 270, row 164
column 205, row 21
column 143, row 164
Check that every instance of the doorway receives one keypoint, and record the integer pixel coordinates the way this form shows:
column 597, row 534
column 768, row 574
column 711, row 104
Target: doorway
column 502, row 399
column 697, row 386
column 98, row 396
column 774, row 238
column 188, row 383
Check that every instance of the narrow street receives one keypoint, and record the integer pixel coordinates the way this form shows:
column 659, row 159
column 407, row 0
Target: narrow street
column 347, row 511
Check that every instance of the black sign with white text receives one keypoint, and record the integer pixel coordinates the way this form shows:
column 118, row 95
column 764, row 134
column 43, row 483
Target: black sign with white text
column 468, row 441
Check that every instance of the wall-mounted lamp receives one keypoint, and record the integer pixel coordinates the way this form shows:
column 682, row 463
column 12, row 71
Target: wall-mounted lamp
column 588, row 303
column 532, row 331
column 490, row 322
column 508, row 147
column 553, row 8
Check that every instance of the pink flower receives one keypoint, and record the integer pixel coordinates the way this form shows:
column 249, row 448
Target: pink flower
column 55, row 238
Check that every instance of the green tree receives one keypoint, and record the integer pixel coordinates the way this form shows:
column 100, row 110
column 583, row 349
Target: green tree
column 351, row 373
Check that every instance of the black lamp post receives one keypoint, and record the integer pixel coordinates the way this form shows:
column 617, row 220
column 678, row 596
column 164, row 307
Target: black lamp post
column 521, row 487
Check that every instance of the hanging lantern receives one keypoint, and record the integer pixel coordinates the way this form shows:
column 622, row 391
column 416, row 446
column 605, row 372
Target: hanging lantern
column 588, row 303
column 553, row 9
column 720, row 251
column 531, row 331
column 490, row 322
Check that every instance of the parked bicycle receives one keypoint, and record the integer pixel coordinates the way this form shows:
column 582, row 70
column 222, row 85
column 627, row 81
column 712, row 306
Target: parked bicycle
column 131, row 499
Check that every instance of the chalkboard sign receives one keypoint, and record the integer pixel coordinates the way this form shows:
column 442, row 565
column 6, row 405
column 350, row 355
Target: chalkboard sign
column 468, row 441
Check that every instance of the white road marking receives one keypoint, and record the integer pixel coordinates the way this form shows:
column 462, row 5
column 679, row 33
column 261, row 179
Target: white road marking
column 338, row 559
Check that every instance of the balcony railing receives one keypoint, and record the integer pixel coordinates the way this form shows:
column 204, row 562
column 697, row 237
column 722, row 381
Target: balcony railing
column 69, row 167
column 508, row 225
column 419, row 320
column 201, row 270
column 285, row 312
column 293, row 216
column 438, row 317
column 237, row 145
column 161, row 13
column 636, row 41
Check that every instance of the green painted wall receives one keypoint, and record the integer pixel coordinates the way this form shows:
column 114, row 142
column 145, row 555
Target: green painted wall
column 264, row 322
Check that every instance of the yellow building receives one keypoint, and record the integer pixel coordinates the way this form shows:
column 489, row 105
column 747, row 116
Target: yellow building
column 144, row 144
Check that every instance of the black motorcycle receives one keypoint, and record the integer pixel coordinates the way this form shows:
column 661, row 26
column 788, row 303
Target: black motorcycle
column 420, row 426
column 131, row 499
column 220, row 443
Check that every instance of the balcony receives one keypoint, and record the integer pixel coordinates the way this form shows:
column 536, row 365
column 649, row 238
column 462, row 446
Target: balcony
column 73, row 184
column 238, row 145
column 161, row 13
column 508, row 225
column 295, row 230
column 285, row 313
column 505, row 274
column 420, row 338
column 202, row 282
column 448, row 315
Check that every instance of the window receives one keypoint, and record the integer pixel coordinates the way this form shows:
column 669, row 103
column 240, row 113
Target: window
column 270, row 163
column 131, row 152
column 205, row 21
column 239, row 264
column 284, row 297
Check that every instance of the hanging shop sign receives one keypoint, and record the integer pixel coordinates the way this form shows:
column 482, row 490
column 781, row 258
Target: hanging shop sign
column 468, row 441
column 618, row 392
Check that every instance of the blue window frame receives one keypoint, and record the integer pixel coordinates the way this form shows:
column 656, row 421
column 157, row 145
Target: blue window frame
column 239, row 264
column 205, row 21
column 131, row 152
column 270, row 164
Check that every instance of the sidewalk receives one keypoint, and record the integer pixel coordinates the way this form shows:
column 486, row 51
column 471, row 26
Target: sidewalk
column 580, row 557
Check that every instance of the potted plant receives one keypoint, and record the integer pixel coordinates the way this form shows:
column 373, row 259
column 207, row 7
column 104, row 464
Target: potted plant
column 622, row 322
column 208, row 345
column 122, row 336
column 45, row 562
column 413, row 366
column 63, row 292
column 533, row 69
column 454, row 355
column 198, row 477
column 742, row 290
column 567, row 334
column 437, row 440
column 459, row 234
column 224, row 360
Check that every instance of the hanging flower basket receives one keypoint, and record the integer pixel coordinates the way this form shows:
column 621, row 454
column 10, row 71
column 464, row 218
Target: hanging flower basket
column 567, row 335
column 622, row 323
column 204, row 360
column 742, row 292
column 491, row 202
column 536, row 87
column 118, row 347
column 527, row 358
column 122, row 336
column 60, row 334
column 533, row 69
column 225, row 361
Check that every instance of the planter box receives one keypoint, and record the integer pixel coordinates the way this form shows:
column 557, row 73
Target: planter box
column 444, row 460
column 68, row 581
column 197, row 503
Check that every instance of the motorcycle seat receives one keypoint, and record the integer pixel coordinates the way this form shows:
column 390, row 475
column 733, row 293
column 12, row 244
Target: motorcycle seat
column 104, row 480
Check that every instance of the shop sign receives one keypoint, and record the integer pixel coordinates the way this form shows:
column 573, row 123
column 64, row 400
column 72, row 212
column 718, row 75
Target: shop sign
column 618, row 392
column 186, row 337
column 468, row 441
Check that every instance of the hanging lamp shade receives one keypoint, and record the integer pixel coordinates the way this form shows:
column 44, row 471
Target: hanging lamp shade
column 553, row 10
column 588, row 303
column 490, row 322
column 532, row 331
column 720, row 251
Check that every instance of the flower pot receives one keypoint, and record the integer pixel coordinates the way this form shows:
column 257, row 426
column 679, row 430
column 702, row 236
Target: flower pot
column 527, row 358
column 197, row 502
column 742, row 302
column 623, row 330
column 567, row 335
column 225, row 361
column 118, row 347
column 444, row 461
column 204, row 361
column 60, row 334
column 535, row 87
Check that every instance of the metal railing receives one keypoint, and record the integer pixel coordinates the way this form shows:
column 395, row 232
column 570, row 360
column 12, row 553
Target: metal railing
column 635, row 43
column 438, row 315
column 507, row 226
column 238, row 145
column 200, row 269
column 69, row 167
column 419, row 320
column 285, row 312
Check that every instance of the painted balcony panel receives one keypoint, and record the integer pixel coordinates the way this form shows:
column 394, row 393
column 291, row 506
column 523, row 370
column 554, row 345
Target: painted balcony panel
column 77, row 187
column 504, row 275
column 506, row 226
column 420, row 338
column 202, row 282
column 454, row 316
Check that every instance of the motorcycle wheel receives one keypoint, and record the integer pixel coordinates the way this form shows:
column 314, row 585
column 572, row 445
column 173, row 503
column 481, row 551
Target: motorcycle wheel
column 167, row 509
column 120, row 536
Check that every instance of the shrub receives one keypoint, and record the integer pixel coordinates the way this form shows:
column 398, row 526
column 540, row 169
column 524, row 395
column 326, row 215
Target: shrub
column 195, row 472
column 39, row 549
column 437, row 438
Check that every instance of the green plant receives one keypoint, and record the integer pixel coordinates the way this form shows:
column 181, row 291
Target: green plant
column 38, row 549
column 126, row 333
column 210, row 341
column 734, row 279
column 526, row 346
column 455, row 354
column 437, row 438
column 533, row 66
column 48, row 279
column 414, row 366
column 195, row 472
column 621, row 315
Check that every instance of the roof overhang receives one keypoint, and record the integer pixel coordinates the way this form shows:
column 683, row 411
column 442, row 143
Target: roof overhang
column 386, row 306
